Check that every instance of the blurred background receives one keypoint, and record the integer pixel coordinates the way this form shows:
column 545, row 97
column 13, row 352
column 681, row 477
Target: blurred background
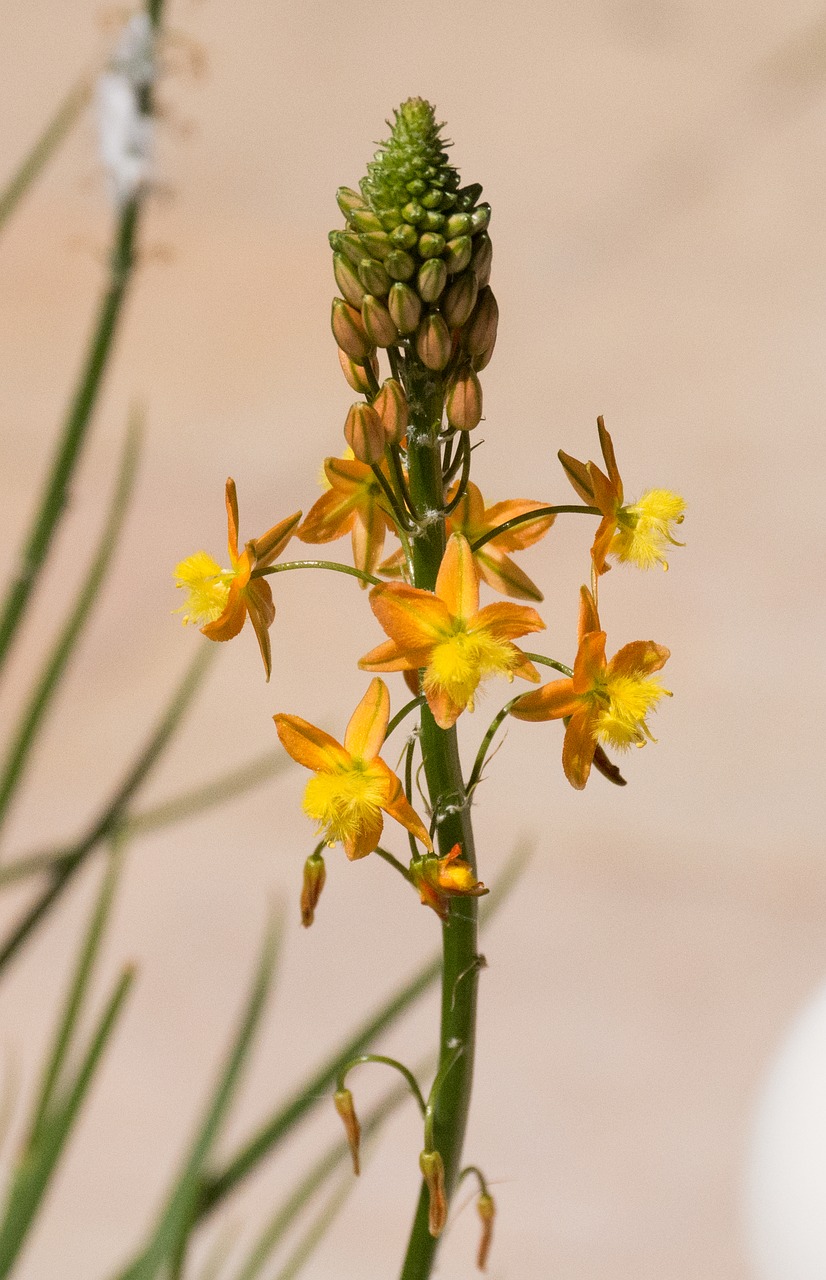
column 657, row 179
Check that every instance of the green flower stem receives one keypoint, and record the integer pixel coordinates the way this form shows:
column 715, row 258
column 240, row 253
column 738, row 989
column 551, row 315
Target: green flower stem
column 387, row 1062
column 317, row 564
column 55, row 499
column 481, row 755
column 448, row 798
column 400, row 715
column 471, row 1170
column 396, row 504
column 393, row 861
column 401, row 483
column 550, row 662
column 540, row 512
column 465, row 476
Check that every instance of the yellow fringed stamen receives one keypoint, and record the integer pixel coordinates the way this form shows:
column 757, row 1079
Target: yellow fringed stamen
column 208, row 587
column 461, row 661
column 630, row 699
column 644, row 528
column 345, row 802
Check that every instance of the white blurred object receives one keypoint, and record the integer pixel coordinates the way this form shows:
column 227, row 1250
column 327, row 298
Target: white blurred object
column 785, row 1206
column 125, row 128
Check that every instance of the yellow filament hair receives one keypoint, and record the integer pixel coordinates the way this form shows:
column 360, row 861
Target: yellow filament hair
column 343, row 803
column 630, row 699
column 460, row 661
column 207, row 585
column 644, row 528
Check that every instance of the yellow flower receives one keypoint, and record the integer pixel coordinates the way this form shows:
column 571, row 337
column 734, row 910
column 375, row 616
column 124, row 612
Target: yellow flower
column 218, row 600
column 446, row 633
column 440, row 879
column 352, row 504
column 638, row 532
column 604, row 701
column 351, row 786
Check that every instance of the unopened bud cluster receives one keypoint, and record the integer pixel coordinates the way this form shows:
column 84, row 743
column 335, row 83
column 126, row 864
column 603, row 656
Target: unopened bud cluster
column 413, row 265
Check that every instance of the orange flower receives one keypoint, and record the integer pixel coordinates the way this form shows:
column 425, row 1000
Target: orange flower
column 352, row 504
column 446, row 633
column 351, row 784
column 220, row 599
column 637, row 532
column 473, row 519
column 440, row 879
column 605, row 701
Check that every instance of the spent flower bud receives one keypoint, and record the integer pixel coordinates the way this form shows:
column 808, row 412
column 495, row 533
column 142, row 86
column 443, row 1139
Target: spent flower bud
column 315, row 874
column 343, row 1100
column 349, row 332
column 364, row 432
column 433, row 1172
column 486, row 1209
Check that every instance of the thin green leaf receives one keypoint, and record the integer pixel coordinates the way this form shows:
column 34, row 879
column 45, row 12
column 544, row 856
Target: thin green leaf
column 218, row 1186
column 45, row 687
column 56, row 131
column 176, row 1219
column 316, row 1232
column 113, row 812
column 33, row 1174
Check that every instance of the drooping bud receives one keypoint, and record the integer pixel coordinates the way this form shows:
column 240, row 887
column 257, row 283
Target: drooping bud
column 433, row 342
column 343, row 1100
column 350, row 333
column 463, row 401
column 460, row 299
column 348, row 282
column 315, row 873
column 378, row 322
column 391, row 406
column 356, row 374
column 405, row 307
column 487, row 1211
column 480, row 332
column 364, row 433
column 433, row 1172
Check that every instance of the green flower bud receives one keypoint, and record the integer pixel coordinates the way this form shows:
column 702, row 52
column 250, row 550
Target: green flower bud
column 460, row 299
column 349, row 332
column 481, row 258
column 347, row 280
column 480, row 218
column 463, row 401
column 405, row 307
column 431, row 245
column 466, row 197
column 400, row 265
column 364, row 433
column 315, row 874
column 404, row 236
column 413, row 213
column 348, row 244
column 432, row 221
column 411, row 171
column 432, row 279
column 348, row 200
column 433, row 198
column 480, row 332
column 458, row 224
column 457, row 254
column 365, row 220
column 391, row 219
column 378, row 322
column 391, row 406
column 377, row 244
column 433, row 343
column 356, row 374
column 374, row 277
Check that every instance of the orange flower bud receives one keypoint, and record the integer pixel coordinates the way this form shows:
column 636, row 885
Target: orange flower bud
column 463, row 402
column 433, row 1172
column 433, row 342
column 343, row 1100
column 348, row 282
column 349, row 332
column 355, row 373
column 460, row 299
column 378, row 322
column 315, row 873
column 405, row 307
column 391, row 406
column 347, row 200
column 364, row 432
column 487, row 1211
column 480, row 333
column 481, row 362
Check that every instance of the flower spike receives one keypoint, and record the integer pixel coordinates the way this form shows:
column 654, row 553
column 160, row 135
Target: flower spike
column 637, row 532
column 604, row 701
column 219, row 600
column 351, row 786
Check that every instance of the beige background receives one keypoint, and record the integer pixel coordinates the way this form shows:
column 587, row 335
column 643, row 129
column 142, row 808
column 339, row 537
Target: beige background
column 657, row 178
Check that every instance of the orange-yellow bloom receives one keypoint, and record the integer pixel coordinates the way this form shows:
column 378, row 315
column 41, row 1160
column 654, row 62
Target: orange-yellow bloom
column 220, row 599
column 352, row 504
column 351, row 786
column 637, row 532
column 473, row 519
column 440, row 879
column 446, row 633
column 605, row 701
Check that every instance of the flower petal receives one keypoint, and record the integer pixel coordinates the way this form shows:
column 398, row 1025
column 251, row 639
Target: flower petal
column 577, row 473
column 262, row 612
column 415, row 619
column 365, row 841
column 524, row 535
column 640, row 658
column 551, row 702
column 369, row 528
column 602, row 541
column 310, row 746
column 397, row 807
column 457, row 583
column 504, row 575
column 588, row 616
column 389, row 657
column 229, row 623
column 231, row 499
column 364, row 734
column 269, row 546
column 579, row 746
column 524, row 667
column 605, row 495
column 506, row 621
column 442, row 707
column 329, row 518
column 606, row 444
column 589, row 663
